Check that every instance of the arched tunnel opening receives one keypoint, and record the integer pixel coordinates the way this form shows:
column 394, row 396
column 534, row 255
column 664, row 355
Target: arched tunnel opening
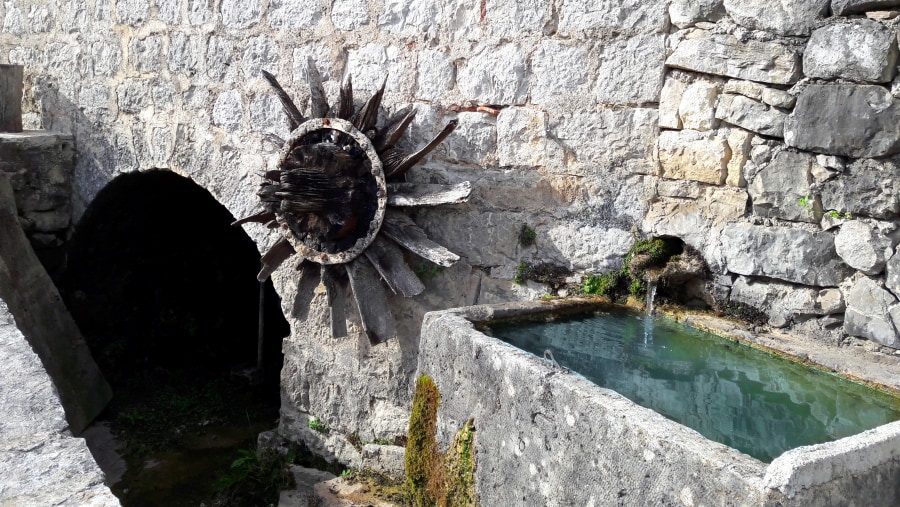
column 165, row 291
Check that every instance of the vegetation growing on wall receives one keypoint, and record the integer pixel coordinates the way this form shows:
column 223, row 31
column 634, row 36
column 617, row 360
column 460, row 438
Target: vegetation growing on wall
column 433, row 478
column 630, row 279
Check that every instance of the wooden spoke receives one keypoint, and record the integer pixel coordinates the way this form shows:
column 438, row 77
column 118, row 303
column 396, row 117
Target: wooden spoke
column 345, row 102
column 387, row 258
column 411, row 160
column 334, row 279
column 394, row 132
column 276, row 255
column 405, row 232
column 263, row 217
column 310, row 277
column 368, row 114
column 422, row 194
column 318, row 102
column 295, row 118
column 371, row 301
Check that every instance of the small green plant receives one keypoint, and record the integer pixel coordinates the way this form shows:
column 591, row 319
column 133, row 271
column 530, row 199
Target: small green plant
column 637, row 287
column 347, row 473
column 806, row 202
column 600, row 285
column 256, row 477
column 837, row 214
column 521, row 274
column 527, row 235
column 318, row 426
column 547, row 297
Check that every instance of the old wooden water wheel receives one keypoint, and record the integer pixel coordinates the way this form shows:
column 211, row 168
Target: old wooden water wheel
column 335, row 197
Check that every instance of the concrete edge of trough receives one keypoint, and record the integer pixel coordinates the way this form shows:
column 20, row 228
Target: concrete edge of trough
column 800, row 470
column 482, row 377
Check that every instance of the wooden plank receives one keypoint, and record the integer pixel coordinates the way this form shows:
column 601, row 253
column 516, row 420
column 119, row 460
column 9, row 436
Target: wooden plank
column 310, row 276
column 393, row 133
column 367, row 116
column 371, row 300
column 422, row 194
column 11, row 85
column 336, row 289
column 275, row 257
column 404, row 231
column 295, row 118
column 263, row 217
column 387, row 258
column 317, row 101
column 345, row 101
column 411, row 160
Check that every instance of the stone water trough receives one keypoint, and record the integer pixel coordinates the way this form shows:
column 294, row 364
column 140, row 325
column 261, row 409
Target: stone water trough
column 546, row 436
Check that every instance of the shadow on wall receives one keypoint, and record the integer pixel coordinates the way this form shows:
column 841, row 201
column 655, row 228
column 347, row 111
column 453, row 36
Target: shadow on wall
column 157, row 278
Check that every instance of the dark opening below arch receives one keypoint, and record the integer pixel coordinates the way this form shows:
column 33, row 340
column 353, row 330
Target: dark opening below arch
column 157, row 278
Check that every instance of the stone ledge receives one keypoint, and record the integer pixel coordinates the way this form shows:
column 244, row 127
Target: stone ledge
column 42, row 463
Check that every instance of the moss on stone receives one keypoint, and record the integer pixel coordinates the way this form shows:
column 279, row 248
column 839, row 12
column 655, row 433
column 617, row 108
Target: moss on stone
column 460, row 468
column 423, row 459
column 433, row 478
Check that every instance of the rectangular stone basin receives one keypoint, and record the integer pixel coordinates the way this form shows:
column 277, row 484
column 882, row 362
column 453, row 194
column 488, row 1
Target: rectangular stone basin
column 546, row 436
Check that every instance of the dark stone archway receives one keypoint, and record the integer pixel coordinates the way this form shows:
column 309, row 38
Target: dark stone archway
column 158, row 279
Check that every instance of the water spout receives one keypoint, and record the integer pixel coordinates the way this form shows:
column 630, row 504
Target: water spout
column 651, row 295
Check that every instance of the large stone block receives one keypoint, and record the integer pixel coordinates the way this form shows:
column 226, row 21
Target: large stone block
column 496, row 75
column 521, row 136
column 697, row 108
column 575, row 15
column 858, row 50
column 864, row 246
column 631, row 70
column 685, row 13
column 870, row 313
column 410, row 17
column 515, row 19
column 865, row 187
column 691, row 155
column 436, row 75
column 787, row 17
column 844, row 7
column 290, row 15
column 782, row 301
column 604, row 139
column 670, row 101
column 558, row 68
column 862, row 121
column 751, row 115
column 348, row 15
column 785, row 253
column 240, row 13
column 780, row 184
column 725, row 55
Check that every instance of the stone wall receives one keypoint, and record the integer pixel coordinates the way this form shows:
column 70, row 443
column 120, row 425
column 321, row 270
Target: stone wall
column 763, row 136
column 39, row 165
column 777, row 157
column 176, row 84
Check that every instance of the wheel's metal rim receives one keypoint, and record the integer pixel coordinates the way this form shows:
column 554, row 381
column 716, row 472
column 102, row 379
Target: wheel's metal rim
column 377, row 172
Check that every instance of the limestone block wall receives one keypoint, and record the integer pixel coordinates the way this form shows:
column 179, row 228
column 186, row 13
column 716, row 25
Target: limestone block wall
column 176, row 84
column 778, row 157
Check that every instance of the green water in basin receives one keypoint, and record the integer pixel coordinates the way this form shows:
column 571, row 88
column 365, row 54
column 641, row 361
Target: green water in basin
column 755, row 402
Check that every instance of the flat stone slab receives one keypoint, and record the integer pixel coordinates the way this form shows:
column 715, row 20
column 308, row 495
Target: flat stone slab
column 786, row 17
column 859, row 50
column 41, row 463
column 725, row 55
column 863, row 121
column 786, row 253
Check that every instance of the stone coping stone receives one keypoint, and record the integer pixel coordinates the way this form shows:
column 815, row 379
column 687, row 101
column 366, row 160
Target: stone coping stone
column 41, row 463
